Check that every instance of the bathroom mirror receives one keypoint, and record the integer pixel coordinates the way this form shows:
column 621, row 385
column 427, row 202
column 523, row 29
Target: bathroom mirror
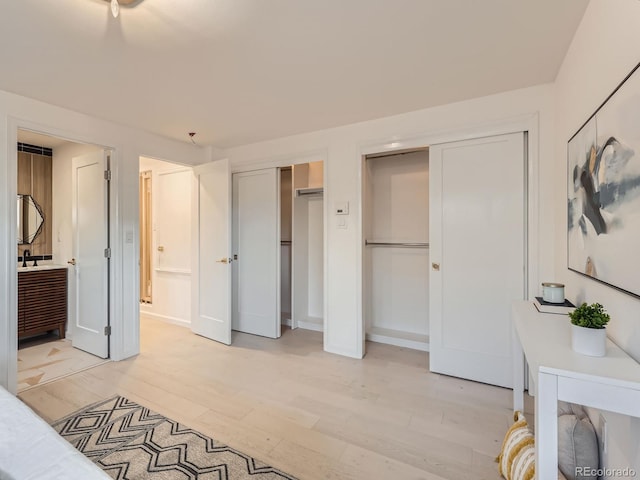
column 30, row 219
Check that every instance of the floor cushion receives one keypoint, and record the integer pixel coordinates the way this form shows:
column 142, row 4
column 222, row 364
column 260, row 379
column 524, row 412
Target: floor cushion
column 577, row 447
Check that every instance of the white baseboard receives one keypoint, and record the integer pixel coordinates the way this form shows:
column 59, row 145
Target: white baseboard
column 165, row 318
column 286, row 321
column 342, row 351
column 399, row 339
column 312, row 323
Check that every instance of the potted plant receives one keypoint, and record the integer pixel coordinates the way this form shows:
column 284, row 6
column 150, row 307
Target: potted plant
column 588, row 334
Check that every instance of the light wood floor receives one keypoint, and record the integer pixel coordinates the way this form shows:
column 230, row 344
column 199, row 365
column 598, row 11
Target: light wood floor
column 312, row 414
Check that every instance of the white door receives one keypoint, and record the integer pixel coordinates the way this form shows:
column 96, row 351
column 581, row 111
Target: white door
column 90, row 212
column 256, row 242
column 210, row 268
column 477, row 246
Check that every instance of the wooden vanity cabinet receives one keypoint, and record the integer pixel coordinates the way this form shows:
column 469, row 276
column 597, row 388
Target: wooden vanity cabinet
column 42, row 301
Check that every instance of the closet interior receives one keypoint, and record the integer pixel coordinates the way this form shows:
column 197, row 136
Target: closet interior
column 302, row 246
column 396, row 248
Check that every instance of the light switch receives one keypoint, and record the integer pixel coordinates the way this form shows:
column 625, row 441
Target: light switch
column 342, row 208
column 129, row 237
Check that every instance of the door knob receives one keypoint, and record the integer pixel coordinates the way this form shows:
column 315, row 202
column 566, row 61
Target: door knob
column 161, row 248
column 72, row 261
column 224, row 260
column 435, row 266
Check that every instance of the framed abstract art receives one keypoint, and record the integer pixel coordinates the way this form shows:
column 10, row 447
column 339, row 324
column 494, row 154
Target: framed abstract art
column 603, row 157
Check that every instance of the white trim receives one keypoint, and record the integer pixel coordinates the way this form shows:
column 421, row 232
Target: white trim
column 9, row 349
column 171, row 171
column 345, row 352
column 286, row 322
column 178, row 271
column 115, row 295
column 398, row 341
column 312, row 323
column 514, row 124
column 167, row 319
column 327, row 217
column 319, row 155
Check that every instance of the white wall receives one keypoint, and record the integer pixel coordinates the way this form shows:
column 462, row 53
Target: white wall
column 171, row 219
column 603, row 52
column 315, row 237
column 342, row 148
column 129, row 144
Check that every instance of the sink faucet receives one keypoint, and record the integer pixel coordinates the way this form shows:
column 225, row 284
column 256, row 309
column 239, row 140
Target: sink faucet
column 25, row 254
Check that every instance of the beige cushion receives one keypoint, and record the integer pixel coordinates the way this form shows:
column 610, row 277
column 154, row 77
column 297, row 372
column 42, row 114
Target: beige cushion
column 517, row 456
column 577, row 447
column 524, row 464
column 518, row 436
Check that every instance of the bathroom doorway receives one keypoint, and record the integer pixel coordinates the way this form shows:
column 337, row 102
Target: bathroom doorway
column 62, row 323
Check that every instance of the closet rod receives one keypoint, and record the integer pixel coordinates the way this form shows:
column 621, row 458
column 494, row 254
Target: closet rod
column 396, row 244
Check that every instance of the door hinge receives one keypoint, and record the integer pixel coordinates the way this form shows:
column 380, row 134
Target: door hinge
column 107, row 175
column 107, row 253
column 107, row 330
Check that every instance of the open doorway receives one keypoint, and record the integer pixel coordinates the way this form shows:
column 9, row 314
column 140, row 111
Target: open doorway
column 62, row 321
column 165, row 242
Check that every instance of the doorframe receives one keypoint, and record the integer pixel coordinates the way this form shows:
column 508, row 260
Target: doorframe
column 528, row 123
column 116, row 322
column 308, row 156
column 235, row 281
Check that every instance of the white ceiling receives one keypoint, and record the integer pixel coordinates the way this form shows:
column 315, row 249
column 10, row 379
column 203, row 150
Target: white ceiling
column 240, row 71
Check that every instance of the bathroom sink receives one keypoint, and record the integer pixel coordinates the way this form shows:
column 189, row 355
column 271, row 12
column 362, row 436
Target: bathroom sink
column 40, row 267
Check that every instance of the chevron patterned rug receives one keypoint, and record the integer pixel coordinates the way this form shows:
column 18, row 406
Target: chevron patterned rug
column 129, row 441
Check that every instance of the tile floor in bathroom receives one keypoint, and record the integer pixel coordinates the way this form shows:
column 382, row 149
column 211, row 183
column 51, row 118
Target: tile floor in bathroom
column 41, row 360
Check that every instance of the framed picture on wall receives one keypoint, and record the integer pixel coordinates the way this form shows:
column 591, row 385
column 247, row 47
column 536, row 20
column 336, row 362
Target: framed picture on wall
column 603, row 159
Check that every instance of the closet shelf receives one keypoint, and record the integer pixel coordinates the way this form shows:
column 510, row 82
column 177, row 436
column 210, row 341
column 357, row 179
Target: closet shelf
column 396, row 244
column 300, row 192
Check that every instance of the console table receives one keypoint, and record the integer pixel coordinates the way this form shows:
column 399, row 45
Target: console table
column 608, row 383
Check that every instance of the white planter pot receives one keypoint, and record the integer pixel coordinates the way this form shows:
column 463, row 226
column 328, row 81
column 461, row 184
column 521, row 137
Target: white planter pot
column 589, row 341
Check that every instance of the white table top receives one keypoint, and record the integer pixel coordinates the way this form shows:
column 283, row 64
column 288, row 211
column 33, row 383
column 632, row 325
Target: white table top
column 546, row 342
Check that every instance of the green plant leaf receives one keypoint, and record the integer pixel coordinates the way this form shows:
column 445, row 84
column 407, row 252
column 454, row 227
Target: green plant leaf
column 590, row 316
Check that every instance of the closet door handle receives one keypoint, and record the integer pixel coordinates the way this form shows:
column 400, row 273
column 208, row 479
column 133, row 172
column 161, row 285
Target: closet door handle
column 224, row 260
column 435, row 266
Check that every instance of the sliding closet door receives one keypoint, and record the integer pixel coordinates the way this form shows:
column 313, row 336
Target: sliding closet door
column 256, row 243
column 477, row 226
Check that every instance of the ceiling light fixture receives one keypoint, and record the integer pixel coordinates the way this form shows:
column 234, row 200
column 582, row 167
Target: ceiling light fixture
column 115, row 5
column 115, row 8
